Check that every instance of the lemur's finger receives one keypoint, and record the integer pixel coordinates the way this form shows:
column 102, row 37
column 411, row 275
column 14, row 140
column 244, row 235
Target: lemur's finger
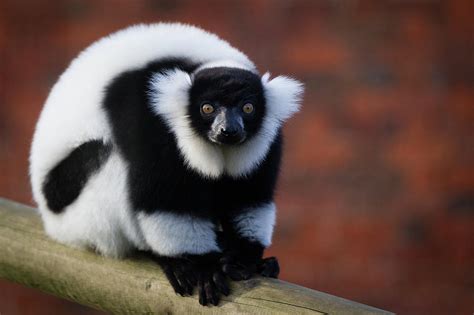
column 269, row 267
column 268, row 260
column 184, row 282
column 211, row 292
column 221, row 283
column 173, row 281
column 191, row 277
column 270, row 272
column 202, row 293
column 186, row 279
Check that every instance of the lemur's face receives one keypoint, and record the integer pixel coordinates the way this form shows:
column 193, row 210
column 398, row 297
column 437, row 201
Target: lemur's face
column 227, row 105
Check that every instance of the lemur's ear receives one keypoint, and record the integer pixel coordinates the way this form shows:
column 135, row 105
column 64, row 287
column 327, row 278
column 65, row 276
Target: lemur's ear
column 283, row 95
column 169, row 92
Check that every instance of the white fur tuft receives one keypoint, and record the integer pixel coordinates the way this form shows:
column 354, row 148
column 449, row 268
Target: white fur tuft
column 266, row 78
column 257, row 224
column 283, row 95
column 171, row 234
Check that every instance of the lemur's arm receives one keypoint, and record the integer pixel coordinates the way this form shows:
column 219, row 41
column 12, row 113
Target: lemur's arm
column 246, row 236
column 248, row 229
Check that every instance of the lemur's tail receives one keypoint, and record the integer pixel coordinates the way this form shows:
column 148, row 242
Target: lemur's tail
column 65, row 181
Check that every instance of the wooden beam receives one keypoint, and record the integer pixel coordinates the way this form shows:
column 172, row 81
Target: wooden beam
column 136, row 285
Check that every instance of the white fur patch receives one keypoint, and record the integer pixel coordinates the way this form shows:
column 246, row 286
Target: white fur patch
column 257, row 224
column 171, row 234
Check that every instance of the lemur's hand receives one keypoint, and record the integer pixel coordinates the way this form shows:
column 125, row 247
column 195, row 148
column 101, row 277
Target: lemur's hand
column 203, row 271
column 207, row 273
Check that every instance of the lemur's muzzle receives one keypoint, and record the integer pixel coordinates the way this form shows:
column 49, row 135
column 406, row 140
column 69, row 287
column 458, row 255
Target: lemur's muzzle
column 228, row 127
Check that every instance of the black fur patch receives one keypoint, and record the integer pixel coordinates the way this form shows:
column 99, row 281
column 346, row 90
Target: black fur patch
column 66, row 180
column 158, row 177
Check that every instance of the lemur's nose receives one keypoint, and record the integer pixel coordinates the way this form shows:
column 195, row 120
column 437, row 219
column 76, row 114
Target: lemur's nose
column 229, row 131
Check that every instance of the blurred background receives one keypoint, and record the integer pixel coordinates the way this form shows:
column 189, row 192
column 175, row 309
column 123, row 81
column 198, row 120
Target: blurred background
column 376, row 197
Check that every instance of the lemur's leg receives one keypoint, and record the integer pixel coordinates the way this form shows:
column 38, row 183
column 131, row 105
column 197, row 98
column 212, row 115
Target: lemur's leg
column 246, row 235
column 186, row 248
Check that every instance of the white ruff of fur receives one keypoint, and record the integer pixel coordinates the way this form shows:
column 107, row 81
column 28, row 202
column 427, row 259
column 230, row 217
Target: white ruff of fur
column 257, row 224
column 169, row 93
column 171, row 234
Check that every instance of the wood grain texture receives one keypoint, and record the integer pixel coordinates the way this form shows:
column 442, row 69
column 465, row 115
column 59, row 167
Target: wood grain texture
column 136, row 285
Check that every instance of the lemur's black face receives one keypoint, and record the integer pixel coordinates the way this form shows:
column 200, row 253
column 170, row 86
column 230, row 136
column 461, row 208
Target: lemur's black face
column 227, row 105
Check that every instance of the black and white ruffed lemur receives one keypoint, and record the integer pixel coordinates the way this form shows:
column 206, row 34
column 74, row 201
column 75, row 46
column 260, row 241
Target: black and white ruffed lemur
column 164, row 138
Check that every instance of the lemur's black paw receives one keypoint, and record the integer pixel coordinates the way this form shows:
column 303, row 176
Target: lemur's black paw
column 269, row 267
column 211, row 281
column 180, row 274
column 237, row 269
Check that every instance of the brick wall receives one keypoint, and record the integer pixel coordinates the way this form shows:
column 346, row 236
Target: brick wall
column 376, row 199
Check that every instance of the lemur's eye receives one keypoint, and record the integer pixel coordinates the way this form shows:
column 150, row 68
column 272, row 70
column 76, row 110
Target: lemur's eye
column 207, row 108
column 248, row 108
